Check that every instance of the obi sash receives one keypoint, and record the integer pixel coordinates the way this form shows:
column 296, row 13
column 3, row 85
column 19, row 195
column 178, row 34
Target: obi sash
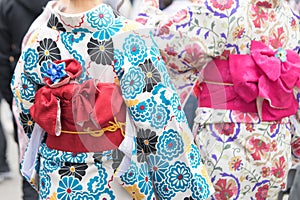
column 262, row 82
column 87, row 117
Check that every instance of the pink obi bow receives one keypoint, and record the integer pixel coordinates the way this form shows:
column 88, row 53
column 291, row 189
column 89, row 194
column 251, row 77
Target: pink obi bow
column 267, row 77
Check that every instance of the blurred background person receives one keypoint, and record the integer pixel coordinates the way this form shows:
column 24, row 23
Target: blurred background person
column 5, row 172
column 15, row 18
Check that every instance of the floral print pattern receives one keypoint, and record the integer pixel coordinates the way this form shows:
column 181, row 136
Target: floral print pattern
column 48, row 50
column 27, row 88
column 135, row 48
column 30, row 58
column 246, row 157
column 101, row 52
column 76, row 170
column 152, row 75
column 178, row 177
column 146, row 143
column 68, row 186
column 170, row 144
column 27, row 122
column 55, row 24
column 133, row 83
column 160, row 143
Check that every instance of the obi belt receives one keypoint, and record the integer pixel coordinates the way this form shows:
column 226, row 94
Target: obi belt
column 262, row 82
column 87, row 117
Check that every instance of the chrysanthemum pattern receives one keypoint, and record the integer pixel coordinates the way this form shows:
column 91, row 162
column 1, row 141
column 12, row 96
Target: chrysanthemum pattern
column 131, row 60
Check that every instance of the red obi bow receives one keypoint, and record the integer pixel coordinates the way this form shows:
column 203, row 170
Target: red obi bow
column 268, row 77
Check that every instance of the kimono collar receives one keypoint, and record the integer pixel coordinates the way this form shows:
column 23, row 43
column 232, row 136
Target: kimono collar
column 98, row 18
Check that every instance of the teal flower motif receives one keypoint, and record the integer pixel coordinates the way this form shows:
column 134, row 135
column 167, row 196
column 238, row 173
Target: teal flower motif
column 85, row 196
column 68, row 187
column 133, row 83
column 44, row 67
column 157, row 60
column 27, row 88
column 160, row 116
column 177, row 109
column 281, row 54
column 48, row 153
column 135, row 48
column 50, row 166
column 106, row 194
column 31, row 59
column 158, row 167
column 71, row 38
column 105, row 33
column 194, row 157
column 164, row 191
column 35, row 78
column 200, row 187
column 170, row 145
column 118, row 63
column 179, row 177
column 144, row 180
column 100, row 17
column 129, row 177
column 97, row 184
column 74, row 157
column 45, row 184
column 56, row 72
column 142, row 111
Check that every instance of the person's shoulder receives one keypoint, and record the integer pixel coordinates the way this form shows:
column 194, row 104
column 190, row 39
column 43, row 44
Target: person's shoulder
column 6, row 5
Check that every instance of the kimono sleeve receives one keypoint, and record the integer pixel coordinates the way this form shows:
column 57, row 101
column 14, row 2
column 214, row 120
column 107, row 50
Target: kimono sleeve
column 24, row 84
column 165, row 161
column 187, row 40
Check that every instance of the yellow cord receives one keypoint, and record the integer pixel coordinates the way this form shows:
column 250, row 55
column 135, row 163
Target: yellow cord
column 98, row 133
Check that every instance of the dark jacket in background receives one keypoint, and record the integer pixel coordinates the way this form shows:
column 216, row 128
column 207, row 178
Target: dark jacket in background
column 16, row 17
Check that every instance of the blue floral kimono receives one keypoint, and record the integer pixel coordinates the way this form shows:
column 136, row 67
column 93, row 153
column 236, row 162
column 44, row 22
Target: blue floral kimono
column 57, row 85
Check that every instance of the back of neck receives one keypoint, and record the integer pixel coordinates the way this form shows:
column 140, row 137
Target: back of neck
column 76, row 6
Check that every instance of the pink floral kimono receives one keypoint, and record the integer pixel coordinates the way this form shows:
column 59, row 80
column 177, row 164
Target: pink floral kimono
column 240, row 58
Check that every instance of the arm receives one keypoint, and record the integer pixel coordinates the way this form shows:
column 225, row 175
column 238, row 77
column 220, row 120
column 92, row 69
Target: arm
column 188, row 40
column 164, row 154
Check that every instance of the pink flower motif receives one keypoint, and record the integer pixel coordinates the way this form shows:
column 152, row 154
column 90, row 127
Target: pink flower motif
column 225, row 189
column 173, row 66
column 222, row 4
column 259, row 148
column 141, row 20
column 262, row 192
column 296, row 147
column 277, row 38
column 245, row 117
column 273, row 146
column 279, row 170
column 180, row 15
column 249, row 127
column 225, row 128
column 265, row 172
column 193, row 54
column 260, row 16
column 170, row 50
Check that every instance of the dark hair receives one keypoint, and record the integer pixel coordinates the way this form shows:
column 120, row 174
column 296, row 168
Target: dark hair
column 164, row 3
column 120, row 5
